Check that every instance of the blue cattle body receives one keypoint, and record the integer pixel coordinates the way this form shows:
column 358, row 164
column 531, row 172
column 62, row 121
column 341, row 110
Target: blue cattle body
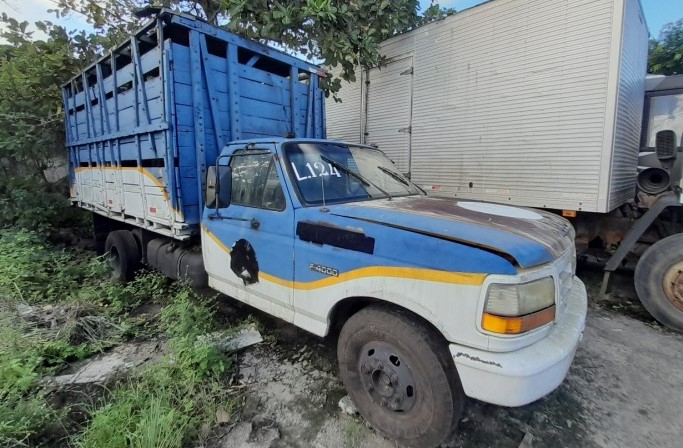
column 168, row 100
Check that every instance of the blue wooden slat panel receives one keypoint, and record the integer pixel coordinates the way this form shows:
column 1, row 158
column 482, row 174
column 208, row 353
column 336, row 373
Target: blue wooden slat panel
column 198, row 110
column 182, row 75
column 236, row 40
column 265, row 127
column 186, row 112
column 124, row 74
column 127, row 121
column 264, row 92
column 233, row 92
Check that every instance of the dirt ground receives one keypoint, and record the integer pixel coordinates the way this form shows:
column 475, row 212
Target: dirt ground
column 625, row 389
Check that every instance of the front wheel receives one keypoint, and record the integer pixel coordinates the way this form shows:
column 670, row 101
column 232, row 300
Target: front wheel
column 399, row 374
column 659, row 281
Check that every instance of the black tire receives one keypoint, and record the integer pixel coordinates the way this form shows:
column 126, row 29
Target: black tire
column 423, row 413
column 659, row 281
column 123, row 255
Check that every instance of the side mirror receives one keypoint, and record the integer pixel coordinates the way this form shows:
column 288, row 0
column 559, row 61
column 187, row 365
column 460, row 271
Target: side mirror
column 210, row 193
column 218, row 187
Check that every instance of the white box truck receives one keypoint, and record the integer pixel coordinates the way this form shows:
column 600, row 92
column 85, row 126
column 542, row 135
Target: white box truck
column 534, row 103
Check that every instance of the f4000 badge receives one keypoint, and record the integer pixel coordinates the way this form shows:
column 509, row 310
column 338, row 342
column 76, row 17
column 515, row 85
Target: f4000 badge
column 332, row 272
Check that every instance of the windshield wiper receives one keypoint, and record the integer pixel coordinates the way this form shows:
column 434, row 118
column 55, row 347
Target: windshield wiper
column 394, row 175
column 360, row 178
column 401, row 179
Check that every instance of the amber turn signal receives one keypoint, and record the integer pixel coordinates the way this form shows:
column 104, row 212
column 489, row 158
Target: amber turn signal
column 517, row 325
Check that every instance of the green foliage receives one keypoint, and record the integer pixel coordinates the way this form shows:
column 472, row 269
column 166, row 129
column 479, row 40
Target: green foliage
column 21, row 419
column 34, row 272
column 186, row 316
column 32, row 150
column 112, row 20
column 341, row 34
column 31, row 116
column 135, row 418
column 41, row 207
column 162, row 406
column 165, row 405
column 666, row 53
column 29, row 271
column 120, row 298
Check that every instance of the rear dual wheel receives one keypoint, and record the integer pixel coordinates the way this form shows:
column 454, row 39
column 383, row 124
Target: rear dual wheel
column 123, row 255
column 659, row 281
column 399, row 373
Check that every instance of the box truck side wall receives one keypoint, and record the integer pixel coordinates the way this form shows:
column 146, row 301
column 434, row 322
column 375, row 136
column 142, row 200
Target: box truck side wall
column 510, row 101
column 629, row 105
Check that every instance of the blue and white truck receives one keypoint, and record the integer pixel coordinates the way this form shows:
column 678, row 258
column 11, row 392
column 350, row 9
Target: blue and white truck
column 203, row 155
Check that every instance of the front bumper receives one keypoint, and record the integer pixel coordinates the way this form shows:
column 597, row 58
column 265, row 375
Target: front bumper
column 519, row 377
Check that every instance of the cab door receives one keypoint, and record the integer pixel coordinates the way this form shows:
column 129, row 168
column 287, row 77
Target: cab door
column 249, row 245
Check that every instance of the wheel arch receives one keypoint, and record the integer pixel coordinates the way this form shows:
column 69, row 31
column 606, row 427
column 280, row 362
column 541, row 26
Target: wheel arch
column 345, row 308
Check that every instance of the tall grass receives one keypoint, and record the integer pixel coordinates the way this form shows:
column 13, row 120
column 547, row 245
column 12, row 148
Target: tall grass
column 164, row 405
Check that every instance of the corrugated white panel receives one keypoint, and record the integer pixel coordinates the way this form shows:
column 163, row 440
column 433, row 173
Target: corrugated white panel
column 520, row 88
column 634, row 48
column 514, row 101
column 388, row 113
column 343, row 118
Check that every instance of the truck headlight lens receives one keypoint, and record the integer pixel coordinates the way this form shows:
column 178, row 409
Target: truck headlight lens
column 517, row 308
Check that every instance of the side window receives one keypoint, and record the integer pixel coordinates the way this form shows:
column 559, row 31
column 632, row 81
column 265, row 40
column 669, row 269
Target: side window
column 255, row 182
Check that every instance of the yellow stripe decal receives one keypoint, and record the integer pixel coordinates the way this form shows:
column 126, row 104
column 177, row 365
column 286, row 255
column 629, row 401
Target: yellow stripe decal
column 215, row 239
column 429, row 275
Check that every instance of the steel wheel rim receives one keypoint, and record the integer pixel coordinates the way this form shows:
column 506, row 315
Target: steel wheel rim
column 115, row 260
column 386, row 377
column 673, row 285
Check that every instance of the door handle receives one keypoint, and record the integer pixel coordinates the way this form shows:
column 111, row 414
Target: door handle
column 255, row 224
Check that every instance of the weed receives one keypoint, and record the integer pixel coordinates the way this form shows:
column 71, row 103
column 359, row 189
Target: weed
column 352, row 434
column 70, row 311
column 187, row 315
column 166, row 404
column 24, row 413
column 23, row 419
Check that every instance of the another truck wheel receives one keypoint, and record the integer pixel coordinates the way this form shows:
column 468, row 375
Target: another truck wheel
column 659, row 281
column 124, row 255
column 399, row 374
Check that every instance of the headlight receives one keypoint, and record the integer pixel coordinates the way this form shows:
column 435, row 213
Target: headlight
column 517, row 308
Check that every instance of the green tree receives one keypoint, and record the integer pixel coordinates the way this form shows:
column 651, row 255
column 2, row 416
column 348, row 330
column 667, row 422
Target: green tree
column 31, row 71
column 31, row 117
column 666, row 53
column 335, row 33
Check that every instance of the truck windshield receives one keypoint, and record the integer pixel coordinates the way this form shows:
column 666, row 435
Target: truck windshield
column 321, row 173
column 666, row 113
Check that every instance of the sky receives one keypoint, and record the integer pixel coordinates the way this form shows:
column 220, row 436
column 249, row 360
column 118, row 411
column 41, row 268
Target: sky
column 36, row 10
column 657, row 12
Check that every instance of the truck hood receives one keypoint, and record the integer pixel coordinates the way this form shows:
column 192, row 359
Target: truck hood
column 529, row 237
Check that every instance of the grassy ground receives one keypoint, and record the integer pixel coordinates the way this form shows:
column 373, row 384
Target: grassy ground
column 58, row 306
